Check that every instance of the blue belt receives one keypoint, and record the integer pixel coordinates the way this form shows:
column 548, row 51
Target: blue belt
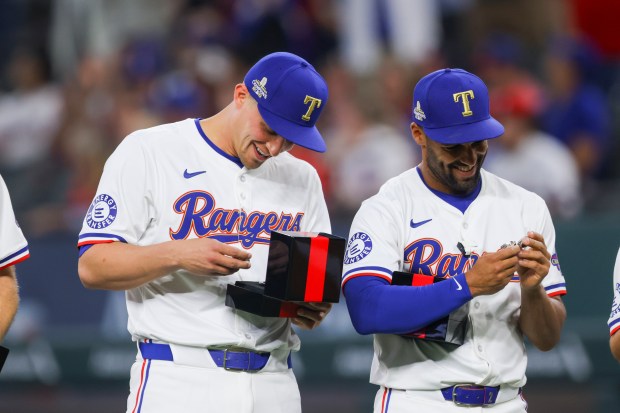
column 238, row 360
column 470, row 394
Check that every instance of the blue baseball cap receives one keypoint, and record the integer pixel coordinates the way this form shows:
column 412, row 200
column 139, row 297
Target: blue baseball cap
column 452, row 106
column 291, row 95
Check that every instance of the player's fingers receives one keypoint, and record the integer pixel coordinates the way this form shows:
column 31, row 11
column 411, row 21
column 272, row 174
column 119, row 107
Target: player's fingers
column 534, row 240
column 509, row 272
column 308, row 313
column 221, row 270
column 534, row 255
column 304, row 323
column 506, row 263
column 539, row 266
column 233, row 264
column 326, row 307
column 536, row 236
column 234, row 252
column 506, row 253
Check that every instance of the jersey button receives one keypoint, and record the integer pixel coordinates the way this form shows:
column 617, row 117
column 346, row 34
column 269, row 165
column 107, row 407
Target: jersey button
column 477, row 305
column 465, row 225
column 248, row 336
column 479, row 348
column 242, row 178
column 242, row 195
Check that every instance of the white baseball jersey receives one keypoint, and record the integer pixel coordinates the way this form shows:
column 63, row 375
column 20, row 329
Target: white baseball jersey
column 171, row 182
column 13, row 245
column 407, row 227
column 614, row 317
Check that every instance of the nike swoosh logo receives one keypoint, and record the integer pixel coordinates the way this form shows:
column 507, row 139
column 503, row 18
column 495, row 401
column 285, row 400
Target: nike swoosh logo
column 417, row 224
column 188, row 175
column 458, row 286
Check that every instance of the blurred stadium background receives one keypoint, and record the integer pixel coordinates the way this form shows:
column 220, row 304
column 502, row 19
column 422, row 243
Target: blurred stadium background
column 79, row 75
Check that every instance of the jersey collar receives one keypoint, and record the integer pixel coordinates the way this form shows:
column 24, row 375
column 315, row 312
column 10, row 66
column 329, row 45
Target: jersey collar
column 231, row 158
column 460, row 202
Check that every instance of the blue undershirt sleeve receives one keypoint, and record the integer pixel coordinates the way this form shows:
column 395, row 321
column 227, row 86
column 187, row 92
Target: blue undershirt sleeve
column 375, row 306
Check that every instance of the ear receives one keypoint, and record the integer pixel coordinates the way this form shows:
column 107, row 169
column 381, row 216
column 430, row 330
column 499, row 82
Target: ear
column 240, row 94
column 418, row 134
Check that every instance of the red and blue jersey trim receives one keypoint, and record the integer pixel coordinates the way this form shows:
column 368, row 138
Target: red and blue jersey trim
column 14, row 258
column 380, row 272
column 556, row 289
column 87, row 240
column 614, row 326
column 98, row 238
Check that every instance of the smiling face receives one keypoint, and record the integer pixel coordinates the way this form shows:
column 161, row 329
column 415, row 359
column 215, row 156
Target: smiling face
column 254, row 141
column 452, row 169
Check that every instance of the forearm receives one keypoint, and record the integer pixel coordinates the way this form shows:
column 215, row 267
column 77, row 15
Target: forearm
column 542, row 318
column 9, row 299
column 120, row 266
column 377, row 307
column 614, row 344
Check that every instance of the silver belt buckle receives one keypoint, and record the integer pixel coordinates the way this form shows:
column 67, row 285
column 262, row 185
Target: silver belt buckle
column 456, row 386
column 225, row 367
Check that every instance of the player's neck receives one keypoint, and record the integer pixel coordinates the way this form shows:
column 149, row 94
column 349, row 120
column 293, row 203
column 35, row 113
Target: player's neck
column 218, row 129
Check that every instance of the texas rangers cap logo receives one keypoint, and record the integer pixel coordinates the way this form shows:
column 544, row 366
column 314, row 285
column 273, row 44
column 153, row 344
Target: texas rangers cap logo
column 102, row 212
column 359, row 246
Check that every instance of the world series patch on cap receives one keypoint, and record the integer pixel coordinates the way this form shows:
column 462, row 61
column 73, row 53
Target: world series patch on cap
column 452, row 106
column 301, row 267
column 291, row 95
column 449, row 329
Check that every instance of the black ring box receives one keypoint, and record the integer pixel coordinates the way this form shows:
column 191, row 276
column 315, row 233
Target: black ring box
column 301, row 267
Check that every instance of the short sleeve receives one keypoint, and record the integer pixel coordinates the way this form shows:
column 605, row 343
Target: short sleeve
column 13, row 244
column 554, row 283
column 373, row 248
column 121, row 209
column 614, row 316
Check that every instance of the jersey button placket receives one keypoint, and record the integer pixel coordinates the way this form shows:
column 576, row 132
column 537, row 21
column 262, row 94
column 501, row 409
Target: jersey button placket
column 242, row 191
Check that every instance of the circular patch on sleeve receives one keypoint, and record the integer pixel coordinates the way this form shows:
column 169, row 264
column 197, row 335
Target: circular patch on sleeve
column 102, row 212
column 358, row 247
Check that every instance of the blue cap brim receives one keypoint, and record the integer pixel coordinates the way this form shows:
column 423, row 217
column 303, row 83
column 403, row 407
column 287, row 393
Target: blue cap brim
column 307, row 137
column 465, row 133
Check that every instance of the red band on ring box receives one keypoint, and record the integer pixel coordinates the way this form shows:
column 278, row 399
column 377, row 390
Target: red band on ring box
column 420, row 280
column 317, row 265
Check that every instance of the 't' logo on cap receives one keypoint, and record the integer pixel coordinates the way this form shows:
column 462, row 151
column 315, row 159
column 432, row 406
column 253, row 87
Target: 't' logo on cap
column 468, row 94
column 314, row 103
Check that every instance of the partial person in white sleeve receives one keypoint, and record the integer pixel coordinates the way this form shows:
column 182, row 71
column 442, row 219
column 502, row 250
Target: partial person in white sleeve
column 13, row 249
column 614, row 317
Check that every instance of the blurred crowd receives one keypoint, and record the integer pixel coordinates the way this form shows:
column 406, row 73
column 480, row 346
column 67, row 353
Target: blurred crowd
column 79, row 75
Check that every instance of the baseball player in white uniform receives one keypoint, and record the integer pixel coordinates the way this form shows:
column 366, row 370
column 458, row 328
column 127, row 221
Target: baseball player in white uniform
column 449, row 218
column 13, row 249
column 614, row 316
column 183, row 210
